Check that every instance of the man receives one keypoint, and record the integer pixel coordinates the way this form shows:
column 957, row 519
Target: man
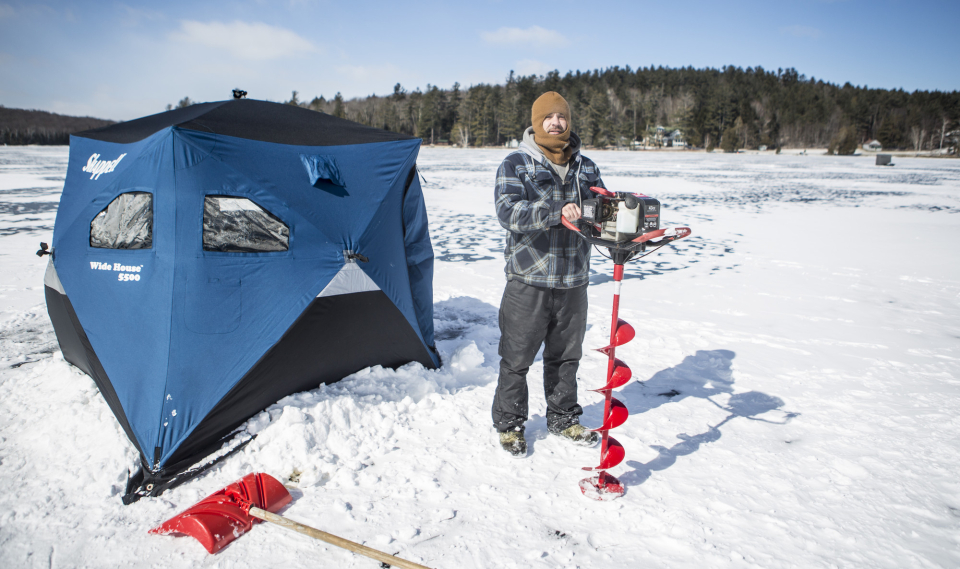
column 545, row 300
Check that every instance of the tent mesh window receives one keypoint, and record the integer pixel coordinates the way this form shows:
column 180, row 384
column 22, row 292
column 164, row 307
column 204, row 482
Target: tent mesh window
column 127, row 223
column 237, row 225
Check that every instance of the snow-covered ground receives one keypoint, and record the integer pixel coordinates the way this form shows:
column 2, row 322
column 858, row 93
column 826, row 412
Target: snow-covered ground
column 796, row 400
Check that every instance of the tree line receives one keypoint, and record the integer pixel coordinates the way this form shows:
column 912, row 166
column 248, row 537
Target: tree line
column 20, row 126
column 731, row 108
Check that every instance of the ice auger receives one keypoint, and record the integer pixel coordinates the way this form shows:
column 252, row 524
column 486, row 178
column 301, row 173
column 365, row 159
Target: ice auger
column 624, row 224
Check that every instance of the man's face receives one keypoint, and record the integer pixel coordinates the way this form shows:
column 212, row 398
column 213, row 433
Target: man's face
column 555, row 123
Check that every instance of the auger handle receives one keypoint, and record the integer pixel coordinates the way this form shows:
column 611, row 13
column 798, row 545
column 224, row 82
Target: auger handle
column 334, row 540
column 678, row 233
column 661, row 234
column 566, row 223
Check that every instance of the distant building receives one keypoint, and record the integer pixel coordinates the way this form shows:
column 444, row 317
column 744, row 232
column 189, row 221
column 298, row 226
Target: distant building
column 873, row 145
column 674, row 138
column 655, row 137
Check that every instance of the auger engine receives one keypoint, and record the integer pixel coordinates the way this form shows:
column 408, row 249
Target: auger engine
column 622, row 216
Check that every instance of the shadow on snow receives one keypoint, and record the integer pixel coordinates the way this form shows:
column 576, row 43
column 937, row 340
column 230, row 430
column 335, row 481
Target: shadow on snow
column 705, row 375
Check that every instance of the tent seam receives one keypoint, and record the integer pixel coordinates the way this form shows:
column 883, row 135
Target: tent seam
column 166, row 381
column 406, row 273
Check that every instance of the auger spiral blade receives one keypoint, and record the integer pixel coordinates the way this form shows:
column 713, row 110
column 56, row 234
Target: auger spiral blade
column 618, row 416
column 620, row 376
column 624, row 334
column 612, row 456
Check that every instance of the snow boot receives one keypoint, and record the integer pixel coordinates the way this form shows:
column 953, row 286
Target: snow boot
column 514, row 443
column 579, row 435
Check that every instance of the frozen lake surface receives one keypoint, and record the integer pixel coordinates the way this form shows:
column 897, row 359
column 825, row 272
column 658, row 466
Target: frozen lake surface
column 795, row 403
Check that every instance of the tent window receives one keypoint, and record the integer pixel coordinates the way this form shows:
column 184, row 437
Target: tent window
column 237, row 225
column 127, row 223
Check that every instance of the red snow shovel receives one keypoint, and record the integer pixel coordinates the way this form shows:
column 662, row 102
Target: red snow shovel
column 231, row 512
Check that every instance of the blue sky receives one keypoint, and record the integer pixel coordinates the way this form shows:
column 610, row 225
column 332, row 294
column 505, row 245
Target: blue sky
column 124, row 60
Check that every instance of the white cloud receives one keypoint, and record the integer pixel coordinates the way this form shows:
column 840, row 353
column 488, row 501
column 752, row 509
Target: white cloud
column 534, row 36
column 801, row 32
column 531, row 67
column 246, row 41
column 6, row 11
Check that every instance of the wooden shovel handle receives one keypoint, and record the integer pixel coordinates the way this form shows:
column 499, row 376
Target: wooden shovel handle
column 334, row 540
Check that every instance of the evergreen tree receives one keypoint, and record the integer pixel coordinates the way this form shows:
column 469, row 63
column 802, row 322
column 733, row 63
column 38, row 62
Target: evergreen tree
column 339, row 110
column 508, row 113
column 730, row 142
column 415, row 112
column 428, row 119
column 318, row 104
column 845, row 142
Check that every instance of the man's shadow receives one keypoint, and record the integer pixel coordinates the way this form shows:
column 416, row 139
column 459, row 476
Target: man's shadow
column 706, row 375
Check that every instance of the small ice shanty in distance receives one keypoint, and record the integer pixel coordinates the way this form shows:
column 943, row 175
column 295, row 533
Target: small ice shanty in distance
column 210, row 260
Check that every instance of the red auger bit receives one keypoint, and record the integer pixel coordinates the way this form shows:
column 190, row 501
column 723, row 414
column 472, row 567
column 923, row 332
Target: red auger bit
column 231, row 512
column 605, row 486
column 624, row 224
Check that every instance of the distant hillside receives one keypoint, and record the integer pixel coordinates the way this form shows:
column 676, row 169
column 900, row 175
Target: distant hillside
column 20, row 126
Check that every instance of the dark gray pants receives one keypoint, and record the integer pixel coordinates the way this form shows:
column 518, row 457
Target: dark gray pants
column 531, row 316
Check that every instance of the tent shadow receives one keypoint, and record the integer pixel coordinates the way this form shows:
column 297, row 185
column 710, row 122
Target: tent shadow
column 331, row 188
column 704, row 375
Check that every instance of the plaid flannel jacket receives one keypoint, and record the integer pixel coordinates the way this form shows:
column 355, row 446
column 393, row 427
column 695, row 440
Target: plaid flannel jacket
column 539, row 250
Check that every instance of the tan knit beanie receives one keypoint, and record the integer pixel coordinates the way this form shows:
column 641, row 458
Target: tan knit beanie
column 556, row 147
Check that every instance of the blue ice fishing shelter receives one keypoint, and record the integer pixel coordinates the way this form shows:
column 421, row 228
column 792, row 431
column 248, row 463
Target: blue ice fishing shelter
column 211, row 260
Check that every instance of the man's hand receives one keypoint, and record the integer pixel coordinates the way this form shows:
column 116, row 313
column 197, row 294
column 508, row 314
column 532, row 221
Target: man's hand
column 571, row 211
